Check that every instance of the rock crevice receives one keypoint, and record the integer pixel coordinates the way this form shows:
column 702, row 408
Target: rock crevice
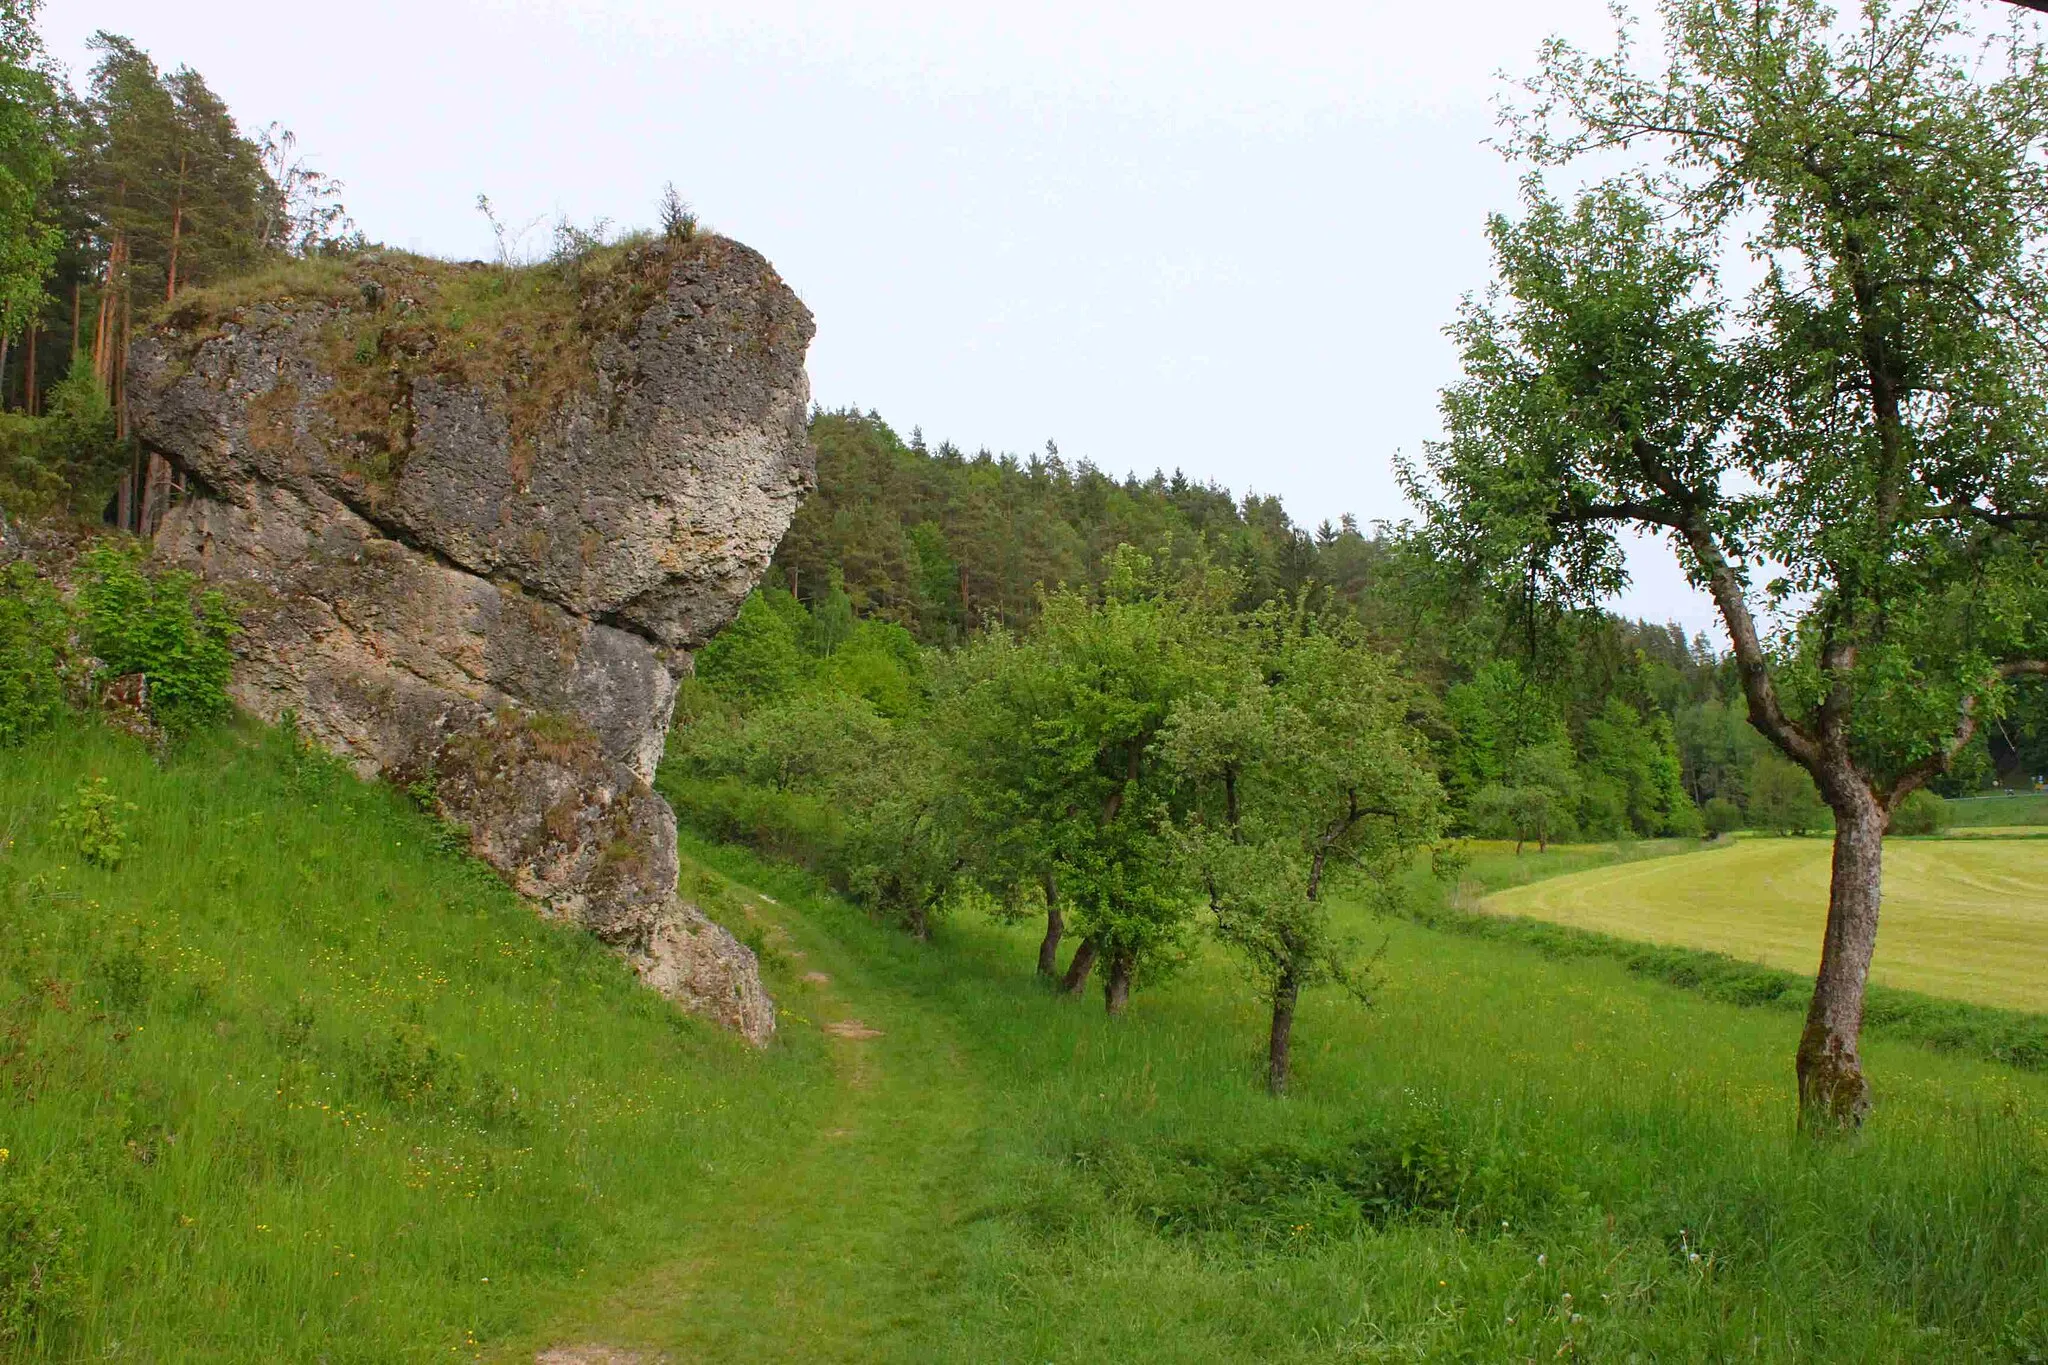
column 477, row 519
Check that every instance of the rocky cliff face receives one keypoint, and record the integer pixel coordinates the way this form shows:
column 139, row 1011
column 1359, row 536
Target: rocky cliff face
column 477, row 519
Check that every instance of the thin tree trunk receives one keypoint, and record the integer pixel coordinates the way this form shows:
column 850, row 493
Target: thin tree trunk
column 3, row 368
column 1832, row 1092
column 177, row 224
column 1280, row 1043
column 1116, row 989
column 1078, row 969
column 1055, row 929
column 171, row 274
column 29, row 366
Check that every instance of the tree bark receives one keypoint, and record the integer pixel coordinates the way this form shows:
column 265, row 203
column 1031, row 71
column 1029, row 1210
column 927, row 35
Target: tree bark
column 1078, row 969
column 28, row 402
column 1055, row 929
column 177, row 230
column 1116, row 990
column 1833, row 1095
column 1280, row 1041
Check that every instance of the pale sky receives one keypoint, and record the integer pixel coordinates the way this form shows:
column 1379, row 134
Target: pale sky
column 1219, row 237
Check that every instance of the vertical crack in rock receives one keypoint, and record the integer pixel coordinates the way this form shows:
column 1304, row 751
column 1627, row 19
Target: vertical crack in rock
column 477, row 519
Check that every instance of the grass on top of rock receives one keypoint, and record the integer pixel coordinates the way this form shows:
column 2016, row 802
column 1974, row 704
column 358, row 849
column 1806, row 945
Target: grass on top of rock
column 524, row 333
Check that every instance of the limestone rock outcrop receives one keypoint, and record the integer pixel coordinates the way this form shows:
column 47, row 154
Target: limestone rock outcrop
column 476, row 519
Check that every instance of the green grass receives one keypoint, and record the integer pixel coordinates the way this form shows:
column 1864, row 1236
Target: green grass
column 1964, row 919
column 301, row 1086
column 1510, row 1157
column 2027, row 808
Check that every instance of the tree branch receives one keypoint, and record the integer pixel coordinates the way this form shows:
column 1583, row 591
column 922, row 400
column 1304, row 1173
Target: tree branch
column 1922, row 772
column 1765, row 710
column 2005, row 521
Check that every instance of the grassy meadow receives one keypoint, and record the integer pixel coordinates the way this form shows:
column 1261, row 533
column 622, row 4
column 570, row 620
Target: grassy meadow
column 2020, row 810
column 299, row 1085
column 1965, row 919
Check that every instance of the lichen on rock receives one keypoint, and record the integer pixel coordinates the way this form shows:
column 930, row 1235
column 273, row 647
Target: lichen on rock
column 477, row 517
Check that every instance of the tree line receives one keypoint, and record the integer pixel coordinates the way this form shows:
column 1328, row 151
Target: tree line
column 114, row 198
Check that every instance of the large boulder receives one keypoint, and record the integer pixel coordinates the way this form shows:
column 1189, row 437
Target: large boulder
column 477, row 518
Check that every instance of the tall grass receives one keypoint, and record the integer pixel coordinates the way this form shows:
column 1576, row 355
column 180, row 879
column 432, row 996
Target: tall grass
column 299, row 1084
column 1507, row 1158
column 296, row 1084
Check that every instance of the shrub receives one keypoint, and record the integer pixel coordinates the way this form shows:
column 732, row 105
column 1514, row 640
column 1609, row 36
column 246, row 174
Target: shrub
column 41, row 1279
column 1922, row 812
column 33, row 628
column 163, row 628
column 1782, row 797
column 71, row 454
column 90, row 824
column 1721, row 816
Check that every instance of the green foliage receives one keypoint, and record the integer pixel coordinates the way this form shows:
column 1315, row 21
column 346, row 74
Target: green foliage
column 163, row 627
column 91, row 825
column 942, row 542
column 33, row 633
column 31, row 135
column 1922, row 812
column 1721, row 816
column 1303, row 777
column 1053, row 738
column 42, row 1277
column 166, row 162
column 1783, row 799
column 70, row 456
column 758, row 658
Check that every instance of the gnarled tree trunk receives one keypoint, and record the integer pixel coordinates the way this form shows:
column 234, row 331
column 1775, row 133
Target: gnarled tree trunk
column 1116, row 990
column 1280, row 1042
column 1078, row 969
column 1055, row 929
column 1832, row 1092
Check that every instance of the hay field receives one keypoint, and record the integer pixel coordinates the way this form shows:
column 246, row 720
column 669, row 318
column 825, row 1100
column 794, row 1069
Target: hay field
column 1963, row 918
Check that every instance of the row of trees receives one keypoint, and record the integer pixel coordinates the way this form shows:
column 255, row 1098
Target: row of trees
column 1142, row 757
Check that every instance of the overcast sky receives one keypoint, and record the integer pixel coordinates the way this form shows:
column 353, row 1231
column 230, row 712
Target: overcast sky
column 1223, row 238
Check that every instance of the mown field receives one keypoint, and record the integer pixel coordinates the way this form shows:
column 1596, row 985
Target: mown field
column 1964, row 918
column 299, row 1085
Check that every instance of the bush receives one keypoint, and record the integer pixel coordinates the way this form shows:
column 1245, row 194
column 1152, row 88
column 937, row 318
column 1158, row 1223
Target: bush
column 1721, row 816
column 33, row 630
column 163, row 628
column 70, row 455
column 1782, row 797
column 90, row 824
column 41, row 1279
column 1922, row 812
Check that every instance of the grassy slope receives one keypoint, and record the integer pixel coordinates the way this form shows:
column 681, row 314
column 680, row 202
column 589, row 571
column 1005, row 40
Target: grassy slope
column 310, row 1088
column 995, row 1176
column 1963, row 919
column 2028, row 808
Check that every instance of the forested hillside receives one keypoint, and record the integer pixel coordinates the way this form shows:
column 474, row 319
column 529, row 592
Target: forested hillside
column 1543, row 721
